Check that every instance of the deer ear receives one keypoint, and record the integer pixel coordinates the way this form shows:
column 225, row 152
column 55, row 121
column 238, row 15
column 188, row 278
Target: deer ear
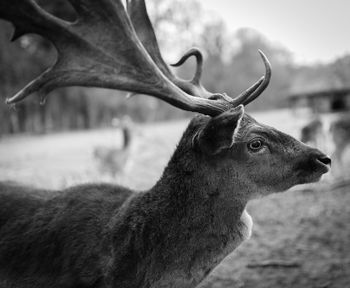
column 220, row 132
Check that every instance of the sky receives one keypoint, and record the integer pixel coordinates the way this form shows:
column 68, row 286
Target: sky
column 313, row 30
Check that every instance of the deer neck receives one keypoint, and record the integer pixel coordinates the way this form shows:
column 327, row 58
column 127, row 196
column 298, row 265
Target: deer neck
column 194, row 191
column 198, row 218
column 182, row 227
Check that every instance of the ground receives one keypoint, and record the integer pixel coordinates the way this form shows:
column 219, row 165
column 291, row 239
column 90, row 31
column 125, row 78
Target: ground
column 301, row 238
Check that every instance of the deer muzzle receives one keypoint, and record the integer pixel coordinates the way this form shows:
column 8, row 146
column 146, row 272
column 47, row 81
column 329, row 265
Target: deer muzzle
column 312, row 167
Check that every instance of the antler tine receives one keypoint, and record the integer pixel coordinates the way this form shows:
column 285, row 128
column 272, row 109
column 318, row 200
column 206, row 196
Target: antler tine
column 142, row 24
column 199, row 59
column 257, row 88
column 194, row 86
column 138, row 14
column 28, row 17
column 264, row 83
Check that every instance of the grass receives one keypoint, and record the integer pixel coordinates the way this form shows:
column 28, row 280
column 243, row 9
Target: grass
column 308, row 226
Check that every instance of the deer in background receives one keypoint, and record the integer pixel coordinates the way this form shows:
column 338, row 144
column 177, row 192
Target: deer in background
column 340, row 131
column 312, row 132
column 111, row 159
column 177, row 232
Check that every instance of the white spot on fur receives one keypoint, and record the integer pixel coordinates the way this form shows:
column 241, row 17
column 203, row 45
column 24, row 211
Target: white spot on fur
column 247, row 222
column 238, row 126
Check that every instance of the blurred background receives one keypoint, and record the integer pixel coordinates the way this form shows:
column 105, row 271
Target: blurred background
column 300, row 238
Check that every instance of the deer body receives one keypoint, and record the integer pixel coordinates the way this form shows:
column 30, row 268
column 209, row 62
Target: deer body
column 81, row 244
column 58, row 239
column 170, row 236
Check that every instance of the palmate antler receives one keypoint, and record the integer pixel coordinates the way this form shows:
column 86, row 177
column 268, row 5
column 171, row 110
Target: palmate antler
column 112, row 48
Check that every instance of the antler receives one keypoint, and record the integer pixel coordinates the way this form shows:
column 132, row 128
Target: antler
column 111, row 48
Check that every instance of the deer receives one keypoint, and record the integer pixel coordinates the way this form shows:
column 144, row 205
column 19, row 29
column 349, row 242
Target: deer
column 312, row 132
column 111, row 159
column 340, row 135
column 175, row 233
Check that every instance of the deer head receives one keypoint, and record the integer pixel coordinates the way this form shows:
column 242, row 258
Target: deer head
column 243, row 157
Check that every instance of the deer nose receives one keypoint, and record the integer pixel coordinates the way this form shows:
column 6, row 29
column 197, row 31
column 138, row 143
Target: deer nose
column 325, row 160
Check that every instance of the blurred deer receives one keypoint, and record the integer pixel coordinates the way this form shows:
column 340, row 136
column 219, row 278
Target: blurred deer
column 312, row 133
column 175, row 233
column 340, row 131
column 112, row 159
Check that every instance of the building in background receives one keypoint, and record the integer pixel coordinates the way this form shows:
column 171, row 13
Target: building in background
column 327, row 100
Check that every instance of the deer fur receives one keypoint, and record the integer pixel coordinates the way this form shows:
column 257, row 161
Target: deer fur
column 175, row 234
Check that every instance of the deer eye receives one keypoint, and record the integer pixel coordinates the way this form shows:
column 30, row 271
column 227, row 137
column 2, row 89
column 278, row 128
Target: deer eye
column 255, row 145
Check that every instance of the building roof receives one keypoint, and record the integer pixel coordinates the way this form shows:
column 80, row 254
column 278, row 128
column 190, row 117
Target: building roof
column 331, row 93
